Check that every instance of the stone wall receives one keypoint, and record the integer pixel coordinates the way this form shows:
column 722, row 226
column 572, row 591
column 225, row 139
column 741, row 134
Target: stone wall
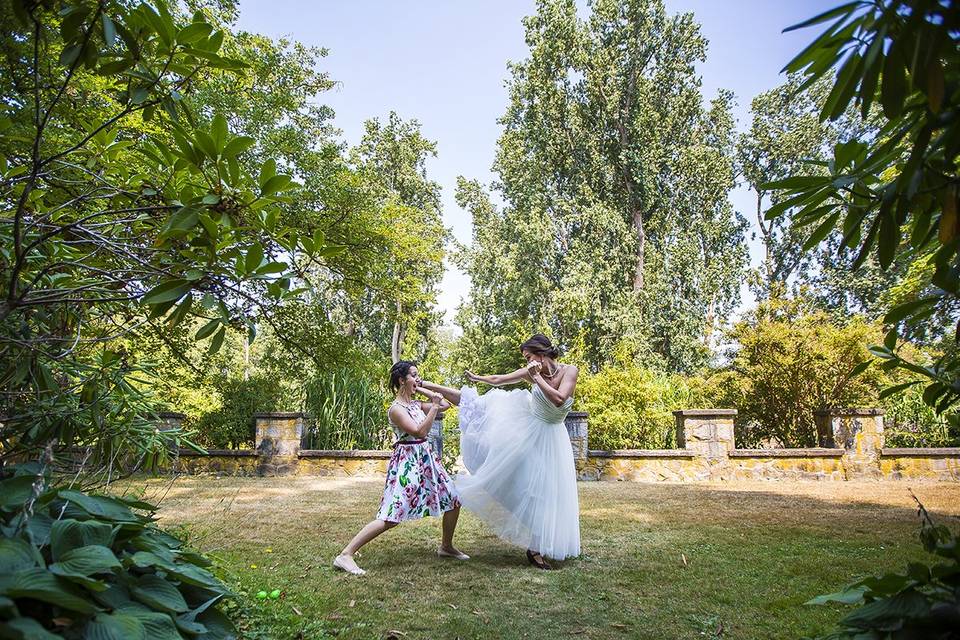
column 851, row 449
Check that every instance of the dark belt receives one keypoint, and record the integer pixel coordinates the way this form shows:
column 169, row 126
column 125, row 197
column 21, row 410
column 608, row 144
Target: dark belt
column 400, row 442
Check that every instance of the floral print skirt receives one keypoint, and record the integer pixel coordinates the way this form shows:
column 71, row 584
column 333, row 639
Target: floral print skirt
column 417, row 485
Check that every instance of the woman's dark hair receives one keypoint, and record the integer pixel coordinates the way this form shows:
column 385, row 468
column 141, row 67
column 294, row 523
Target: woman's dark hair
column 540, row 345
column 398, row 372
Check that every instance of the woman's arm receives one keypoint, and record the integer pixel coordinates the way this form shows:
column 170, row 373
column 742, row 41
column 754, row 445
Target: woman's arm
column 567, row 384
column 499, row 379
column 450, row 395
column 403, row 420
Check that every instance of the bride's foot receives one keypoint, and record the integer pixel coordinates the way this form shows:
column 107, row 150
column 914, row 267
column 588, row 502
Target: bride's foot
column 451, row 552
column 345, row 562
column 537, row 560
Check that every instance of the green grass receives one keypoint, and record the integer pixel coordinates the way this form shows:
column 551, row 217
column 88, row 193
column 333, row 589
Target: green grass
column 733, row 560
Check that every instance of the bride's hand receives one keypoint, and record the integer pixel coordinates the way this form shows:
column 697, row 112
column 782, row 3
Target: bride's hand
column 533, row 368
column 471, row 376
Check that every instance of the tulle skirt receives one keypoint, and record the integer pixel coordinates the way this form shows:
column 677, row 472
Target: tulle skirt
column 521, row 479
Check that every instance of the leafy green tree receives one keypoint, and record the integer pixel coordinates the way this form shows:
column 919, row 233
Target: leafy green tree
column 120, row 206
column 896, row 194
column 136, row 207
column 788, row 361
column 617, row 228
column 392, row 158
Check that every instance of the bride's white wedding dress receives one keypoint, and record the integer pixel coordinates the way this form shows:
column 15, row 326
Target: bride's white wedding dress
column 521, row 479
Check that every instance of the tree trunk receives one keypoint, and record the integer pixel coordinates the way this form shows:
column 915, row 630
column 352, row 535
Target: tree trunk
column 398, row 334
column 641, row 248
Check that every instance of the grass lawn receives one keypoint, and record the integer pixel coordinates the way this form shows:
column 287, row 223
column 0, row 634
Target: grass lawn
column 732, row 560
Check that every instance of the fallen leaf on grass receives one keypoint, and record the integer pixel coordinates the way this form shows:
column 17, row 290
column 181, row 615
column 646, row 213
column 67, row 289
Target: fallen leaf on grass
column 295, row 610
column 334, row 616
column 684, row 558
column 452, row 606
column 352, row 602
column 618, row 625
column 393, row 635
column 480, row 615
column 719, row 631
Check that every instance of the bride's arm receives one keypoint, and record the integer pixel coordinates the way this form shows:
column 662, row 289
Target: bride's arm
column 559, row 395
column 499, row 379
column 450, row 396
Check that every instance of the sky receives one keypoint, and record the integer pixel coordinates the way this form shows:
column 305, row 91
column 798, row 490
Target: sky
column 444, row 63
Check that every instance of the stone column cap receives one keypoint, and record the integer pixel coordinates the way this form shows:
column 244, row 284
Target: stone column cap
column 172, row 414
column 705, row 412
column 852, row 411
column 279, row 414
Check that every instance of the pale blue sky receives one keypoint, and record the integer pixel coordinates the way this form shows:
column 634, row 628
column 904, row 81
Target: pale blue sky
column 444, row 63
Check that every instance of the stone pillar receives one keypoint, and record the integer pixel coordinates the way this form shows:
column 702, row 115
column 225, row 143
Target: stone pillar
column 708, row 433
column 171, row 420
column 576, row 423
column 277, row 441
column 435, row 437
column 859, row 432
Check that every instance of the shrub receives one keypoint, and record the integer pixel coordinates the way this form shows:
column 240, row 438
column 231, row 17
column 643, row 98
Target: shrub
column 910, row 422
column 631, row 407
column 80, row 565
column 347, row 411
column 231, row 425
column 789, row 362
column 922, row 602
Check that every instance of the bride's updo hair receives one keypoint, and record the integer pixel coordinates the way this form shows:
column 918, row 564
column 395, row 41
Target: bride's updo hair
column 398, row 373
column 540, row 345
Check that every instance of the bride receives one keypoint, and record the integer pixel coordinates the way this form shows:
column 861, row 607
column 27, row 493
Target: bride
column 521, row 477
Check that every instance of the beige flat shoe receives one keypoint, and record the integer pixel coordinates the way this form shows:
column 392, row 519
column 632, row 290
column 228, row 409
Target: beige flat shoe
column 459, row 555
column 346, row 563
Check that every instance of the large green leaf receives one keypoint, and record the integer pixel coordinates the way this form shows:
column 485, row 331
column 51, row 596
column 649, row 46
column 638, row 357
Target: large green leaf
column 219, row 627
column 188, row 621
column 147, row 559
column 15, row 491
column 39, row 526
column 114, row 626
column 826, row 15
column 169, row 291
column 158, row 626
column 25, row 629
column 237, row 146
column 218, row 131
column 147, row 541
column 101, row 506
column 42, row 585
column 85, row 561
column 253, row 258
column 69, row 534
column 113, row 597
column 275, row 184
column 16, row 555
column 880, row 613
column 194, row 32
column 158, row 593
column 192, row 574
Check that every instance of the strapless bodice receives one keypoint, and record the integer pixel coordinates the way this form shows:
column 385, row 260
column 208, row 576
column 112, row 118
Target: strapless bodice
column 542, row 408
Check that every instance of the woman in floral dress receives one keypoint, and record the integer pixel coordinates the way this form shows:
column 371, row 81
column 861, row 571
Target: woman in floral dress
column 417, row 484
